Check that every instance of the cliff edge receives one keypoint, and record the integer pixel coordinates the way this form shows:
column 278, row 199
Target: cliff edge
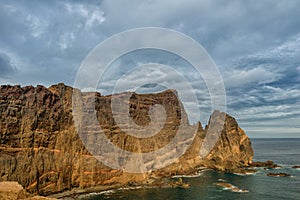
column 41, row 149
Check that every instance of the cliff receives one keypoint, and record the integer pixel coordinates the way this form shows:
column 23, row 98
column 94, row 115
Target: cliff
column 41, row 149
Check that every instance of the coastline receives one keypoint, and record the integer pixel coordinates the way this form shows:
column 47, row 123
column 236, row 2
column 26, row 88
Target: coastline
column 158, row 182
column 163, row 182
column 166, row 182
column 81, row 191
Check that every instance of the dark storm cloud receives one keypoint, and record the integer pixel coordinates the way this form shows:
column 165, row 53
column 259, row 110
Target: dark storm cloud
column 50, row 38
column 254, row 43
column 224, row 28
column 6, row 67
column 59, row 34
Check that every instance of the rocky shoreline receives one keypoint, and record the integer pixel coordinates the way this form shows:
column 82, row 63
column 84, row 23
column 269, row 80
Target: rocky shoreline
column 161, row 183
column 155, row 182
column 13, row 190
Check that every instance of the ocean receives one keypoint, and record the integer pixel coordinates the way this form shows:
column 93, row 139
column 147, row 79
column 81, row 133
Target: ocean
column 285, row 152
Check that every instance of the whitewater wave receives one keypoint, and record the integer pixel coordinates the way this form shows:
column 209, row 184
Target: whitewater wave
column 198, row 173
column 230, row 187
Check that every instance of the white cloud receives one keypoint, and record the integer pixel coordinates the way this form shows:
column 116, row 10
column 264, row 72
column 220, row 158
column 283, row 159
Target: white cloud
column 258, row 75
column 92, row 14
column 79, row 9
column 37, row 26
column 66, row 40
column 96, row 18
column 286, row 51
column 277, row 94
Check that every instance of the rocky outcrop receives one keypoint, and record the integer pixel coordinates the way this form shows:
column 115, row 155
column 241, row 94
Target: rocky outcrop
column 229, row 186
column 233, row 150
column 14, row 191
column 40, row 147
column 269, row 164
column 279, row 174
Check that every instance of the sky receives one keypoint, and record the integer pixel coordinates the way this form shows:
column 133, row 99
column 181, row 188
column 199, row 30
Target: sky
column 255, row 45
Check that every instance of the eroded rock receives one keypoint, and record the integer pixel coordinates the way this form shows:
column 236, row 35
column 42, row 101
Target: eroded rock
column 40, row 148
column 268, row 164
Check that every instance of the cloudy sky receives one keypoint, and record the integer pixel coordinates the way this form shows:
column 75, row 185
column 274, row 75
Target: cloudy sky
column 255, row 44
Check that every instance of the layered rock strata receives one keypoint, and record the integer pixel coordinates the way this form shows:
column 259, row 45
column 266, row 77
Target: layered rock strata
column 41, row 149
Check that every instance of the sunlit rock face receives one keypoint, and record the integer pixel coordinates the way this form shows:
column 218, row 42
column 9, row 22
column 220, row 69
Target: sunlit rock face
column 41, row 149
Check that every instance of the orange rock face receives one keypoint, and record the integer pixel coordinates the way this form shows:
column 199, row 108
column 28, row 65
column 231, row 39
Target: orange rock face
column 41, row 149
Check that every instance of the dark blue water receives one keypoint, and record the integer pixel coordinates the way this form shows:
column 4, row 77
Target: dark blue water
column 285, row 152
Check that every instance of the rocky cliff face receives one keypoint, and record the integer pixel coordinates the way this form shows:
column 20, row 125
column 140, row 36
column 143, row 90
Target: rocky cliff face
column 40, row 147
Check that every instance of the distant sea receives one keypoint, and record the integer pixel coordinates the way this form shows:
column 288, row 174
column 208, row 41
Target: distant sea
column 285, row 152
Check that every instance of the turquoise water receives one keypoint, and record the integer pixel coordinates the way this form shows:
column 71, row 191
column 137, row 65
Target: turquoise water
column 285, row 152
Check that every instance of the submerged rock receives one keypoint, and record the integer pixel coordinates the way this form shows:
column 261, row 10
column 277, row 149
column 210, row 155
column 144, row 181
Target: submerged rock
column 229, row 186
column 296, row 167
column 279, row 174
column 268, row 164
column 180, row 184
